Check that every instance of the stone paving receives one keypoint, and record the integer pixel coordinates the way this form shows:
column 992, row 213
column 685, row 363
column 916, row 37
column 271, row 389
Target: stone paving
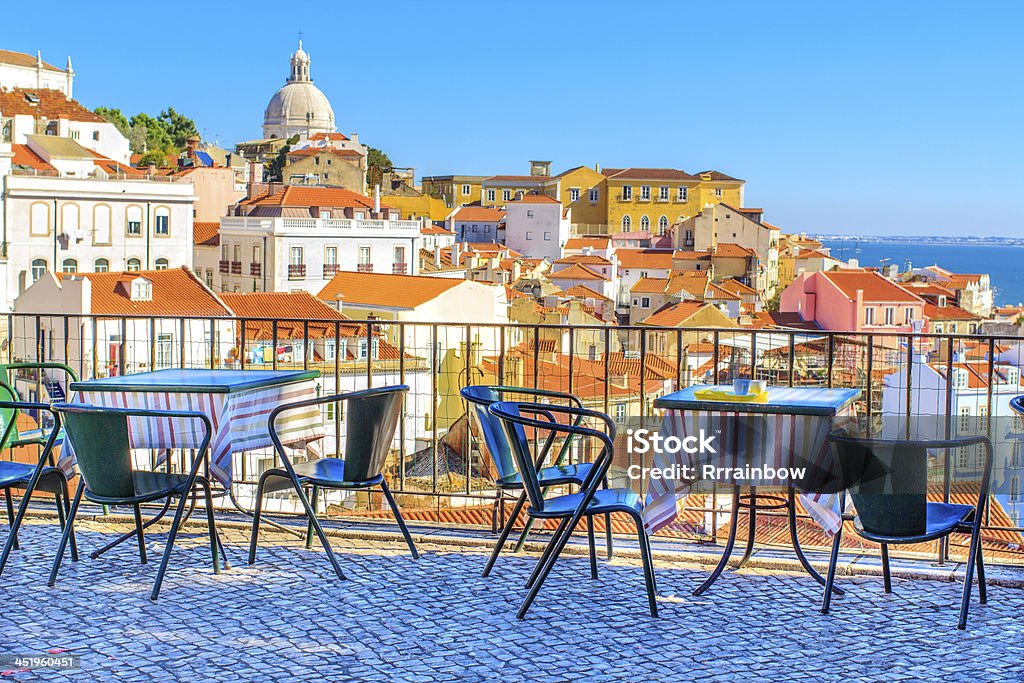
column 288, row 618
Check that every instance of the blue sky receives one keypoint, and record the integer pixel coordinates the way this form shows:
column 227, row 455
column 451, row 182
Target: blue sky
column 867, row 118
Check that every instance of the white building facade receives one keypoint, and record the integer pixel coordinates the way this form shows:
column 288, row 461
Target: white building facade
column 536, row 226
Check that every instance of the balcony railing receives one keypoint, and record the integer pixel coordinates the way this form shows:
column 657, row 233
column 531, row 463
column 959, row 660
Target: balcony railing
column 364, row 267
column 400, row 268
column 296, row 271
column 255, row 269
column 615, row 369
column 225, row 267
column 236, row 267
column 330, row 270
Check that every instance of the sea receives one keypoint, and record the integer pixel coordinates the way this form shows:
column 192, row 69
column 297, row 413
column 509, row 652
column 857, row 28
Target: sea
column 1003, row 263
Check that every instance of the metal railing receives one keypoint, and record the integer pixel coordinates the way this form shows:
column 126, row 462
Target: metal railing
column 619, row 370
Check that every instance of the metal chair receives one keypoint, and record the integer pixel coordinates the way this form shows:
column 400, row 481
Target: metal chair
column 371, row 419
column 43, row 476
column 495, row 444
column 888, row 482
column 103, row 452
column 590, row 500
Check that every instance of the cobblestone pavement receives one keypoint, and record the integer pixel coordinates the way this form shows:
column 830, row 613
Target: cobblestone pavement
column 288, row 618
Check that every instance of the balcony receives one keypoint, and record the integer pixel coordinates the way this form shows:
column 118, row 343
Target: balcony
column 296, row 271
column 225, row 267
column 364, row 268
column 400, row 268
column 333, row 227
column 236, row 267
column 330, row 270
column 255, row 269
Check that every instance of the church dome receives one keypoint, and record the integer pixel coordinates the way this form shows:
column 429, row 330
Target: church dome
column 299, row 107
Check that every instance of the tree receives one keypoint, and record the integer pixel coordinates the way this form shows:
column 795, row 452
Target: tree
column 377, row 164
column 276, row 167
column 137, row 139
column 178, row 126
column 154, row 157
column 115, row 116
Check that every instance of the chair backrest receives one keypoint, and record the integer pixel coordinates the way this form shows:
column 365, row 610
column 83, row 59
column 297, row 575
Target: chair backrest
column 492, row 438
column 506, row 412
column 8, row 416
column 371, row 419
column 1017, row 404
column 102, row 448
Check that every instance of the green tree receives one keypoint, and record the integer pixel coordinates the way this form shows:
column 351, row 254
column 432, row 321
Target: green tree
column 377, row 164
column 276, row 167
column 178, row 126
column 157, row 137
column 115, row 116
column 155, row 157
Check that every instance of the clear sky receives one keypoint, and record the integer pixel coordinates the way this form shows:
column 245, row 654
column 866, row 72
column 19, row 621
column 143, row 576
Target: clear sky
column 867, row 117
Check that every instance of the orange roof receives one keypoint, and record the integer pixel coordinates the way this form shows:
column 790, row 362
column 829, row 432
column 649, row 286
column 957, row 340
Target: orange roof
column 327, row 136
column 312, row 151
column 813, row 253
column 435, row 230
column 280, row 305
column 730, row 250
column 583, row 292
column 673, row 315
column 518, row 178
column 786, row 320
column 576, row 272
column 482, row 214
column 26, row 158
column 650, row 285
column 23, row 59
column 717, row 292
column 874, row 286
column 299, row 195
column 534, row 198
column 947, row 312
column 581, row 243
column 175, row 291
column 716, row 175
column 591, row 259
column 653, row 366
column 977, row 372
column 736, row 287
column 691, row 255
column 385, row 290
column 770, row 226
column 645, row 258
column 206, row 233
column 50, row 104
column 647, row 174
column 929, row 289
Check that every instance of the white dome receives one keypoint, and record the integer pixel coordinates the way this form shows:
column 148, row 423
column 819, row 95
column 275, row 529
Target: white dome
column 299, row 107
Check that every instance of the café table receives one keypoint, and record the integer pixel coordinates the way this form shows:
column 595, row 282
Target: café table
column 238, row 403
column 786, row 429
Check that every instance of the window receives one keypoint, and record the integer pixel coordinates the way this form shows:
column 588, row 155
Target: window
column 529, row 234
column 69, row 265
column 465, row 190
column 238, row 252
column 506, row 195
column 365, row 256
column 400, row 264
column 295, row 259
column 645, row 223
column 101, row 224
column 529, row 213
column 163, row 222
column 663, row 193
column 164, row 351
column 330, row 256
column 142, row 289
column 161, row 264
column 96, row 135
column 325, row 215
column 627, row 223
column 133, row 221
column 490, row 195
column 38, row 268
column 330, row 353
column 662, row 225
column 869, row 315
column 620, row 412
column 681, row 194
column 101, row 265
column 362, row 348
column 908, row 315
column 547, row 237
column 718, row 192
column 209, row 277
column 256, row 253
column 645, row 192
column 574, row 194
column 39, row 219
column 645, row 302
column 627, row 193
column 134, row 265
column 890, row 315
column 595, row 194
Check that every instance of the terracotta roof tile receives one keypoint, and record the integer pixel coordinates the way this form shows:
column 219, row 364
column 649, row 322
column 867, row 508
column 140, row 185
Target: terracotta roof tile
column 482, row 214
column 27, row 159
column 206, row 233
column 51, row 104
column 175, row 291
column 576, row 272
column 674, row 314
column 534, row 198
column 580, row 243
column 385, row 290
column 650, row 285
column 716, row 175
column 660, row 259
column 948, row 312
column 647, row 174
column 23, row 59
column 298, row 195
column 874, row 286
column 583, row 292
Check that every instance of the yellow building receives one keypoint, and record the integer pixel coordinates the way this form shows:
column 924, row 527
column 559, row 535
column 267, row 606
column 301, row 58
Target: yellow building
column 414, row 206
column 653, row 199
column 328, row 166
column 584, row 191
column 453, row 190
column 499, row 190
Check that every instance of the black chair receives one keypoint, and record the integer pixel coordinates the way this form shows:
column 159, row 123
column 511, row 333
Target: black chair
column 43, row 476
column 569, row 509
column 371, row 419
column 103, row 452
column 494, row 443
column 888, row 482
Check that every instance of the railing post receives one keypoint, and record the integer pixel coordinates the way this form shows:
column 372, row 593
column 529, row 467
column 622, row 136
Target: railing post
column 122, row 350
column 433, row 403
column 307, row 345
column 947, row 457
column 910, row 380
column 791, row 358
column 181, row 342
column 213, row 343
column 273, row 342
column 95, row 360
column 572, row 357
column 830, row 360
column 369, row 354
column 241, row 342
column 405, row 406
column 152, row 343
column 607, row 365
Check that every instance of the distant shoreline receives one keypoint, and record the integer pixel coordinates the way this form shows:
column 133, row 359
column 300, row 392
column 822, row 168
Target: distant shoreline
column 937, row 240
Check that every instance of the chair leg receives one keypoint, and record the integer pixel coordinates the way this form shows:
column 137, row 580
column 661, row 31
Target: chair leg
column 592, row 547
column 171, row 535
column 139, row 533
column 254, row 535
column 648, row 562
column 311, row 515
column 506, row 530
column 886, row 575
column 211, row 524
column 608, row 529
column 982, row 588
column 558, row 545
column 547, row 552
column 972, row 559
column 309, row 524
column 522, row 536
column 66, row 535
column 65, row 505
column 10, row 518
column 830, row 579
column 398, row 518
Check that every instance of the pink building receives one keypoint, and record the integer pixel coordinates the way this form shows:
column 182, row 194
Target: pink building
column 852, row 301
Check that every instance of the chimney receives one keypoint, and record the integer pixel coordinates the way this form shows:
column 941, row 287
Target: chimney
column 255, row 177
column 191, row 145
column 456, row 254
column 376, row 199
column 437, row 256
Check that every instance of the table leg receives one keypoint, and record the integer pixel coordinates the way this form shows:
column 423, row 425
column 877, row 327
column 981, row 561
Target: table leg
column 734, row 519
column 800, row 551
column 751, row 529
